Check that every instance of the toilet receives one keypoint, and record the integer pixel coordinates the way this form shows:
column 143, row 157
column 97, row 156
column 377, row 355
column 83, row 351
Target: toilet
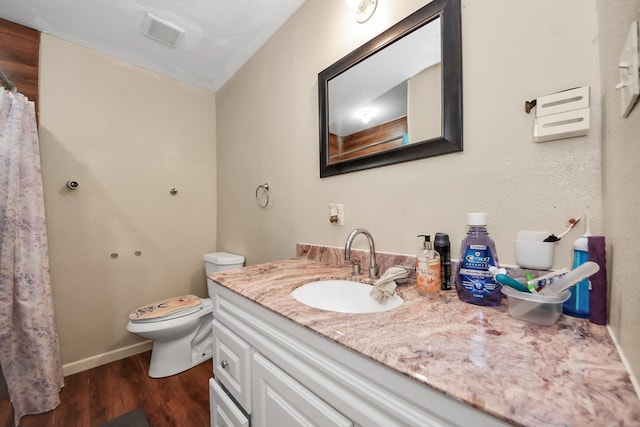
column 180, row 327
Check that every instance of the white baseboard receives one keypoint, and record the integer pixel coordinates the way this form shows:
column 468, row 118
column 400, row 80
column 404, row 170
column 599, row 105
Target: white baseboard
column 104, row 358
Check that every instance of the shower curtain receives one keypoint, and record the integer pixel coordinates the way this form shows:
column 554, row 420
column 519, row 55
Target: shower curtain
column 29, row 353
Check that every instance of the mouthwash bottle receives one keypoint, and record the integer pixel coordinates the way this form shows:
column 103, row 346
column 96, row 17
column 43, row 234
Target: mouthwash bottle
column 474, row 282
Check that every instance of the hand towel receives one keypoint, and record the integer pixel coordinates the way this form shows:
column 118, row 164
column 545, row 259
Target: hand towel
column 385, row 287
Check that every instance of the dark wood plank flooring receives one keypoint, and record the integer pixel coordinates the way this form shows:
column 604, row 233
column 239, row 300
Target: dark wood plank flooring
column 92, row 397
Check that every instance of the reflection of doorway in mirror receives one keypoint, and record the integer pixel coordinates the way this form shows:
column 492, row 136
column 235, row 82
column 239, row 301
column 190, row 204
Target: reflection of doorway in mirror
column 424, row 95
column 375, row 139
column 388, row 63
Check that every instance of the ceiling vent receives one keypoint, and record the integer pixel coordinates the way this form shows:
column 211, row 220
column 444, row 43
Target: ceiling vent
column 162, row 31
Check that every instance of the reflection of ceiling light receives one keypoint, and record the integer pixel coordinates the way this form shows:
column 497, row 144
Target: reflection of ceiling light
column 365, row 116
column 364, row 9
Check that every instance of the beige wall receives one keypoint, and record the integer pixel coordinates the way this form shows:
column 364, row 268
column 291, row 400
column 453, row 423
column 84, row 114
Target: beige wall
column 127, row 136
column 621, row 180
column 268, row 132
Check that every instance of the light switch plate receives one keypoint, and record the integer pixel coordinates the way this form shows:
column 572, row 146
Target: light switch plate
column 628, row 66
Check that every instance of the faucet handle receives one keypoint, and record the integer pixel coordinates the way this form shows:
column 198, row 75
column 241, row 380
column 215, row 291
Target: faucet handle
column 355, row 263
column 373, row 272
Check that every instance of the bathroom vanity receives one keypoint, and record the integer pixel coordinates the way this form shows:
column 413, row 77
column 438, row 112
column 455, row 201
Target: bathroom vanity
column 282, row 373
column 428, row 362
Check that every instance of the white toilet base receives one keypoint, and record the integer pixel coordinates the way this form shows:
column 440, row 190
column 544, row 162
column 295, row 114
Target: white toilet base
column 177, row 355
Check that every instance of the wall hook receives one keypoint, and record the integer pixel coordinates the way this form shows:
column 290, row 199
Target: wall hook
column 173, row 191
column 528, row 105
column 72, row 185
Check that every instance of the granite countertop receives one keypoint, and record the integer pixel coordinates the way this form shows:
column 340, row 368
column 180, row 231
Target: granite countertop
column 568, row 374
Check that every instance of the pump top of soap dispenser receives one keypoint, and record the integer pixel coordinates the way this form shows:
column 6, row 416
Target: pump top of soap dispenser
column 427, row 241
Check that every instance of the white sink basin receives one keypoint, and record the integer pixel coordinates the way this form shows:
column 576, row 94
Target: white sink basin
column 343, row 296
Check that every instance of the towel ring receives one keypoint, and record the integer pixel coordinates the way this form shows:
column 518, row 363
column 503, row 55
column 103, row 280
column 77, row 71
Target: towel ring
column 262, row 195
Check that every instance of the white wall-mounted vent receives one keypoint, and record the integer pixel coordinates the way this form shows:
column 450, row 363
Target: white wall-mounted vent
column 162, row 31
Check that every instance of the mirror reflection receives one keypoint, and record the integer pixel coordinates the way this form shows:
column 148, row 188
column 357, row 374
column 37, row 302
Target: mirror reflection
column 390, row 99
column 396, row 98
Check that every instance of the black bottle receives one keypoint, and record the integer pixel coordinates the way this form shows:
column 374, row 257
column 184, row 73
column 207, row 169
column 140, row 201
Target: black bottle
column 442, row 245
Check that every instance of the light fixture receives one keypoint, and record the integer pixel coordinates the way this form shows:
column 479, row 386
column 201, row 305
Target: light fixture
column 364, row 9
column 365, row 116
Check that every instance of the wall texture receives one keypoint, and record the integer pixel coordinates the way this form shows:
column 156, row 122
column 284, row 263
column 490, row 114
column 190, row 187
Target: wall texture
column 127, row 136
column 621, row 178
column 268, row 132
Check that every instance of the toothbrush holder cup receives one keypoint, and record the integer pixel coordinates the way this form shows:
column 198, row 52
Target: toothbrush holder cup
column 536, row 255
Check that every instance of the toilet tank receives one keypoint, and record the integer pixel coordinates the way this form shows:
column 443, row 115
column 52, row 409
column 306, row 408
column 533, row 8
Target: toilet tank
column 221, row 261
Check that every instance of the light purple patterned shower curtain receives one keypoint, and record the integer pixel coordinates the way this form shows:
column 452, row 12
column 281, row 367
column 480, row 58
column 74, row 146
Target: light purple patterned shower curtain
column 29, row 352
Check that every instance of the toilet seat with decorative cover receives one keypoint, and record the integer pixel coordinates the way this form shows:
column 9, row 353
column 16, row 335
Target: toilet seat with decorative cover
column 166, row 309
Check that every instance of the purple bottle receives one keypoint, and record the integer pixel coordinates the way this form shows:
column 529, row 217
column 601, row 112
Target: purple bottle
column 474, row 282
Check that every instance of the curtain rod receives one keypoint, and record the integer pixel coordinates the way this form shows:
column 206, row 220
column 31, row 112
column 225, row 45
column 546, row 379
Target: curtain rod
column 7, row 83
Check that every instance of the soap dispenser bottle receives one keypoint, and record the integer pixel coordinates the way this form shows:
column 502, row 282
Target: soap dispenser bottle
column 427, row 269
column 474, row 282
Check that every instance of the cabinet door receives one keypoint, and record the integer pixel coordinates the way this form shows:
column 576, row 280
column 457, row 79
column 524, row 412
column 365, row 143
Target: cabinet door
column 232, row 364
column 279, row 400
column 224, row 412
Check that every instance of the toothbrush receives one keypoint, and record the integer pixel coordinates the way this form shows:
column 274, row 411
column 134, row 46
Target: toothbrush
column 500, row 275
column 572, row 222
column 530, row 286
column 540, row 282
column 503, row 279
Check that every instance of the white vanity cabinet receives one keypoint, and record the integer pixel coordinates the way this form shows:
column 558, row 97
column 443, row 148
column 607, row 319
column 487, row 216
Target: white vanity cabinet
column 224, row 412
column 261, row 389
column 232, row 364
column 297, row 377
column 279, row 400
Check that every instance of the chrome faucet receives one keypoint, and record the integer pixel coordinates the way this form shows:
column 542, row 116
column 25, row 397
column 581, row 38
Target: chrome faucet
column 373, row 267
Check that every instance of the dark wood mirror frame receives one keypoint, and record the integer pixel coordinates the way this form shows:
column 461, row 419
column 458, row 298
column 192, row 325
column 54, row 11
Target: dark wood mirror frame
column 451, row 137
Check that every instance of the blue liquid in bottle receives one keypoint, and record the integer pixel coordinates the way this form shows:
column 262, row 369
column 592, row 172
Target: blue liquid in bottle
column 474, row 282
column 578, row 304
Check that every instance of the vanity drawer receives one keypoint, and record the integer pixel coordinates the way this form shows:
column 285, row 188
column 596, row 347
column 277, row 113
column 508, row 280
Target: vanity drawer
column 224, row 412
column 232, row 364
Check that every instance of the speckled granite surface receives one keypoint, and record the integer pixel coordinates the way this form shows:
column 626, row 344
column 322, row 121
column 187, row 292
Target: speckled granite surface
column 568, row 374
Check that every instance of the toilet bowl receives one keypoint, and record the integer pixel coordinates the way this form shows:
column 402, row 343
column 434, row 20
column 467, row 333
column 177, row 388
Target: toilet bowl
column 181, row 339
column 180, row 327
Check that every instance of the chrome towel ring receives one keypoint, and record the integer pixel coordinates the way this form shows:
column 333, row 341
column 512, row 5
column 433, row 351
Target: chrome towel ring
column 262, row 195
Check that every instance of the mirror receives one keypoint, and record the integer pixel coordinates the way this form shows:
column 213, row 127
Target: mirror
column 396, row 98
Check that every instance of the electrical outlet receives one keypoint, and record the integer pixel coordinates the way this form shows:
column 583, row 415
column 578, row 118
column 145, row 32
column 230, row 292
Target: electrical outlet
column 336, row 214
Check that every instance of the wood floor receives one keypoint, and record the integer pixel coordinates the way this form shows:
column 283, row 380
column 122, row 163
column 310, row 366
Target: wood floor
column 92, row 397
